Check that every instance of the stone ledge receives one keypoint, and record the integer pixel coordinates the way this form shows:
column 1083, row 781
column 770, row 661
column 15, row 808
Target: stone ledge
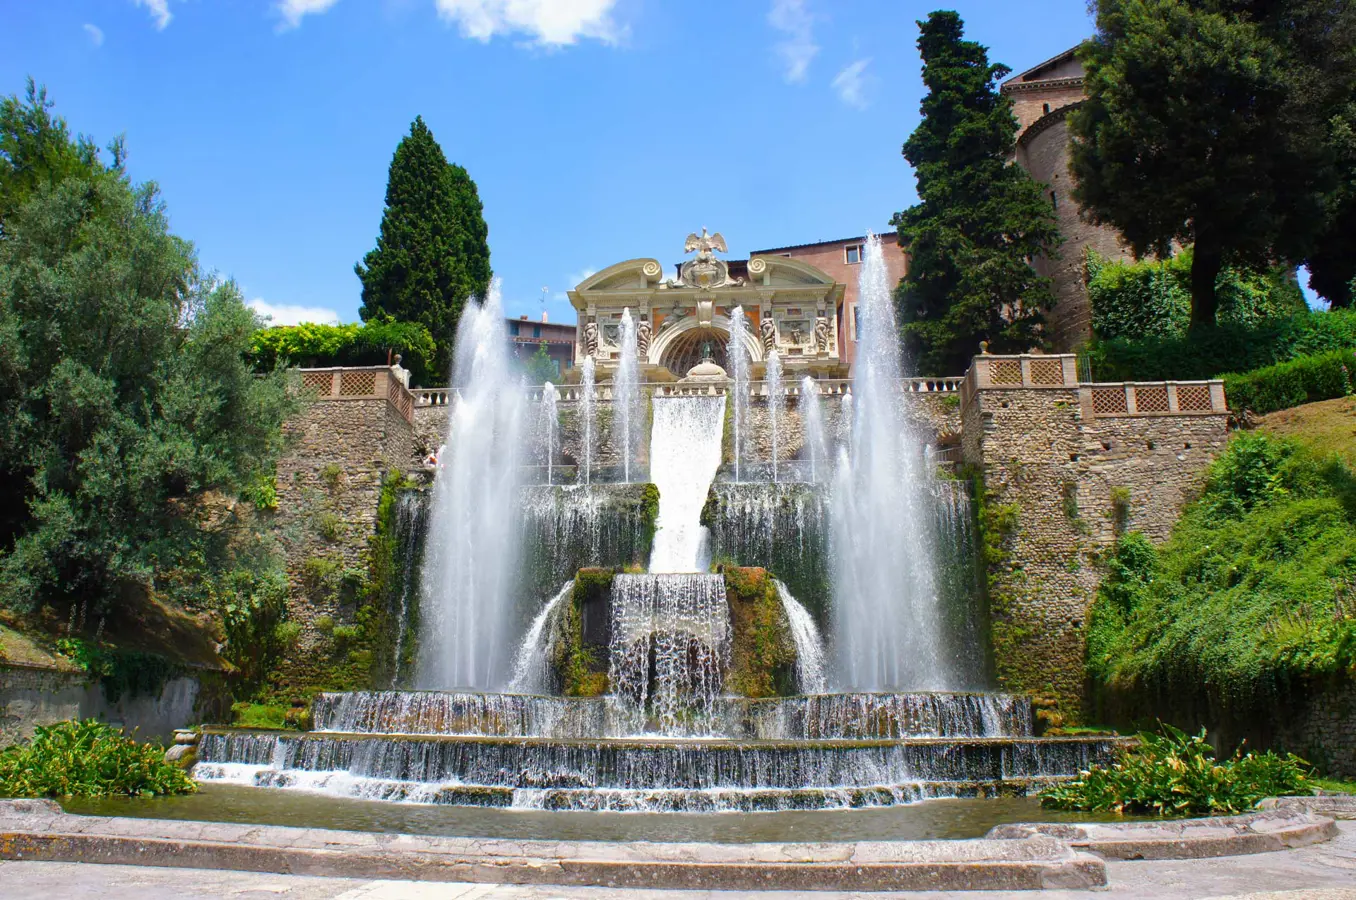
column 1334, row 806
column 1259, row 832
column 40, row 831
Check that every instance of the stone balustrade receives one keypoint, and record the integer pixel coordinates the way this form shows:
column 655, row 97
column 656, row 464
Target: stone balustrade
column 828, row 387
column 358, row 383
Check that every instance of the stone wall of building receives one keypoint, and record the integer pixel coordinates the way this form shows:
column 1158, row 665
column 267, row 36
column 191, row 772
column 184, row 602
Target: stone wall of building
column 31, row 696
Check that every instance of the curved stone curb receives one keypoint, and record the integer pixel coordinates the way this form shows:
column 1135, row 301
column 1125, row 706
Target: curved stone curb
column 1334, row 806
column 1258, row 832
column 39, row 830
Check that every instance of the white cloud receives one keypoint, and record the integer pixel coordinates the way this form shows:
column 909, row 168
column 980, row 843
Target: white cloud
column 548, row 22
column 293, row 315
column 792, row 19
column 572, row 281
column 851, row 84
column 293, row 11
column 96, row 34
column 159, row 10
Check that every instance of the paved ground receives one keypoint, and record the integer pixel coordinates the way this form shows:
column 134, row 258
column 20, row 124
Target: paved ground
column 1323, row 872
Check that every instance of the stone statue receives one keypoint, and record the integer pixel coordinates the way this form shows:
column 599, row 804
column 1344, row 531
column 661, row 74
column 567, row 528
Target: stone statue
column 821, row 334
column 704, row 243
column 706, row 271
column 591, row 339
column 643, row 339
column 769, row 331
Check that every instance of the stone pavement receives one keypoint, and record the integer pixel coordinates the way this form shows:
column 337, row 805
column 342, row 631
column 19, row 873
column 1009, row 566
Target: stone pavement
column 1320, row 872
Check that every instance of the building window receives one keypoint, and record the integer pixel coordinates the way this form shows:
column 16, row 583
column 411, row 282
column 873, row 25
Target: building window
column 513, row 328
column 1047, row 109
column 853, row 254
column 536, row 331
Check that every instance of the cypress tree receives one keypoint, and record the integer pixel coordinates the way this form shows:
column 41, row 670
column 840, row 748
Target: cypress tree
column 432, row 254
column 980, row 220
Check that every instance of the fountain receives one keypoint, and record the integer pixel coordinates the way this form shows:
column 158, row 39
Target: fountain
column 626, row 394
column 738, row 357
column 579, row 649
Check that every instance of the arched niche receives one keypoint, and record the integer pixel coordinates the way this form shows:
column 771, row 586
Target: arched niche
column 676, row 342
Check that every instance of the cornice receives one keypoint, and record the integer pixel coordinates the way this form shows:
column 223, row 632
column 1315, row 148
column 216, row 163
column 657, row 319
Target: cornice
column 1023, row 87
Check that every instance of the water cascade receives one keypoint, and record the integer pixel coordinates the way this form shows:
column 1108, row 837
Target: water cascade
column 812, row 420
column 737, row 356
column 626, row 412
column 549, row 429
column 588, row 419
column 888, row 629
column 684, row 455
column 531, row 665
column 411, row 514
column 471, row 554
column 670, row 645
column 810, row 676
column 776, row 403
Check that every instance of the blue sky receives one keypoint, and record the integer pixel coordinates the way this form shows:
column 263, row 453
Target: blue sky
column 597, row 130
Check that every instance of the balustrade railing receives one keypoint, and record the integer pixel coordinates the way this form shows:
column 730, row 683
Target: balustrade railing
column 357, row 383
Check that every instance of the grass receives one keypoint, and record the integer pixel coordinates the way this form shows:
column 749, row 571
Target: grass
column 1328, row 426
column 1332, row 786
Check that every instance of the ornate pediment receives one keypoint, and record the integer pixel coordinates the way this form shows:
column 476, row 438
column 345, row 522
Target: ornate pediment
column 706, row 272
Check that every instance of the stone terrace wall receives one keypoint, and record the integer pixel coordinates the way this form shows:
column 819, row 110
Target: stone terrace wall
column 33, row 695
column 1072, row 477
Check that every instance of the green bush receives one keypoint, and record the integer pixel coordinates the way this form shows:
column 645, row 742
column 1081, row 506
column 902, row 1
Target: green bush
column 1176, row 774
column 1153, row 299
column 1324, row 376
column 88, row 759
column 1244, row 602
column 1207, row 352
column 253, row 610
column 314, row 345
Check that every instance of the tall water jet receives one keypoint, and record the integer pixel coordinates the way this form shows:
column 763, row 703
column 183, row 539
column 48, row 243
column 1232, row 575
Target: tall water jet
column 888, row 621
column 684, row 456
column 471, row 554
column 588, row 419
column 776, row 401
column 626, row 394
column 737, row 357
column 532, row 664
column 810, row 675
column 812, row 421
column 549, row 429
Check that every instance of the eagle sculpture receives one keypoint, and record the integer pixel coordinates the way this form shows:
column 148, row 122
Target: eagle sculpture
column 704, row 243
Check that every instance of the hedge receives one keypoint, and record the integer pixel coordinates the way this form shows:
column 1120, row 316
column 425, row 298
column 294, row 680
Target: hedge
column 1323, row 376
column 313, row 345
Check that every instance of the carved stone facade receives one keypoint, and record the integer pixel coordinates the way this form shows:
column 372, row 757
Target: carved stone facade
column 790, row 306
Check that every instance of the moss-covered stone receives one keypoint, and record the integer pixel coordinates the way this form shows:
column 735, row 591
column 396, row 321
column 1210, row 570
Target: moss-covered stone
column 580, row 656
column 763, row 656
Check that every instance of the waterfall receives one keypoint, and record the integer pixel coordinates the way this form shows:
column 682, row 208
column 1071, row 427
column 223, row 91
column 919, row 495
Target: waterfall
column 678, row 628
column 550, row 426
column 626, row 394
column 737, row 357
column 776, row 400
column 588, row 419
column 532, row 672
column 471, row 555
column 812, row 419
column 809, row 645
column 684, row 456
column 888, row 628
column 411, row 511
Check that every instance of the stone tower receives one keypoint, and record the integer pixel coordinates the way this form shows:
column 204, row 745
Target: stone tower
column 1042, row 98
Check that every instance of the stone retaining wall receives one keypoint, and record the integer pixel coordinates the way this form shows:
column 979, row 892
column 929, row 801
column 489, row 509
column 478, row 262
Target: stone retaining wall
column 31, row 696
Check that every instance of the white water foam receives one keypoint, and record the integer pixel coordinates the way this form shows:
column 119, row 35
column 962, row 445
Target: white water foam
column 684, row 456
column 810, row 673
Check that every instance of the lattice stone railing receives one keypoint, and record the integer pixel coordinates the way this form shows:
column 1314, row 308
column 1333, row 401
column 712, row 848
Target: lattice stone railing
column 828, row 387
column 1041, row 371
column 366, row 383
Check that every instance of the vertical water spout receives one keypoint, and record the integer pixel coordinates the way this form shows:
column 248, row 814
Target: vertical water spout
column 888, row 621
column 626, row 393
column 588, row 415
column 411, row 511
column 532, row 663
column 550, row 427
column 471, row 554
column 812, row 421
column 776, row 401
column 737, row 357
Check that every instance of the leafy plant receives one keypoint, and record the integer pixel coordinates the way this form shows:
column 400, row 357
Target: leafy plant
column 1176, row 774
column 120, row 672
column 316, row 345
column 253, row 609
column 88, row 759
column 1307, row 379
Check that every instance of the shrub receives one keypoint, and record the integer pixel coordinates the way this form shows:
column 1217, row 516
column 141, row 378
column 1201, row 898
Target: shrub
column 1176, row 774
column 1323, row 376
column 1207, row 352
column 88, row 759
column 310, row 344
column 253, row 609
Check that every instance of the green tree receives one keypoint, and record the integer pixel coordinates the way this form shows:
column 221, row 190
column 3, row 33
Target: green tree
column 1207, row 123
column 432, row 253
column 37, row 149
column 979, row 221
column 127, row 400
column 1332, row 262
column 541, row 367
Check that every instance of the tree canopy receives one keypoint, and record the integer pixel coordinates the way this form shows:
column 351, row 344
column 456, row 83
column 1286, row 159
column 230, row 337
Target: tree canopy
column 432, row 253
column 1209, row 122
column 126, row 395
column 979, row 221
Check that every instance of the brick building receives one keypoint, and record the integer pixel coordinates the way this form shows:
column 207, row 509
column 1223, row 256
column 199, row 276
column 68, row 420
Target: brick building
column 1042, row 98
column 526, row 336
